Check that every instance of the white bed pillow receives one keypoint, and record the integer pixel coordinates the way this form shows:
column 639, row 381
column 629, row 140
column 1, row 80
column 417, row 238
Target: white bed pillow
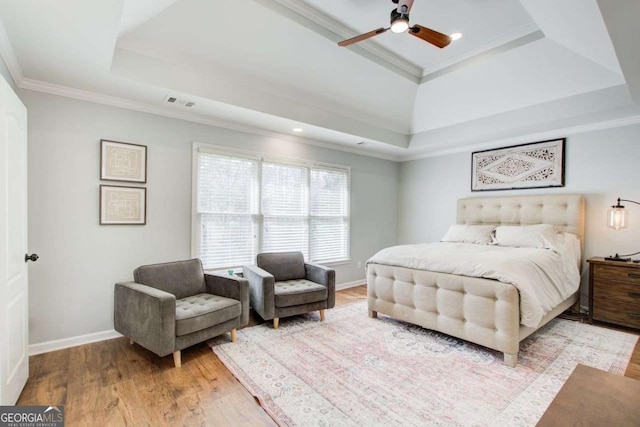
column 462, row 233
column 572, row 245
column 542, row 236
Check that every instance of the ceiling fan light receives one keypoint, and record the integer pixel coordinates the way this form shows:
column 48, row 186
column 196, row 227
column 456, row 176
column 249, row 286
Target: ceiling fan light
column 455, row 36
column 400, row 25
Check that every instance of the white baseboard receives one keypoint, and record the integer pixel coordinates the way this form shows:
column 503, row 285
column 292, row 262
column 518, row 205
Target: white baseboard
column 45, row 347
column 353, row 284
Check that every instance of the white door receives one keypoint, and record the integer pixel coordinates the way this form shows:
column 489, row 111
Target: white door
column 14, row 358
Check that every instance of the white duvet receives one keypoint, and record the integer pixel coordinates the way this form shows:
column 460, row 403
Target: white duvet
column 543, row 277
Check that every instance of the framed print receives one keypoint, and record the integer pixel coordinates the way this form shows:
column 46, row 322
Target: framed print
column 121, row 161
column 533, row 165
column 123, row 205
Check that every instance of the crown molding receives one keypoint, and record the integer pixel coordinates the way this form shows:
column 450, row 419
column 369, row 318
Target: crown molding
column 552, row 134
column 9, row 56
column 497, row 43
column 98, row 98
column 59, row 90
column 327, row 26
column 482, row 56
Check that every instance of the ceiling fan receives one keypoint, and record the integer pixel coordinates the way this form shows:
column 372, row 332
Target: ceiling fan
column 400, row 24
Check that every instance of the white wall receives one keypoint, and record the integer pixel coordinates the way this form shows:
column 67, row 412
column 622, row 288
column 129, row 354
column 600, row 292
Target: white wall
column 602, row 165
column 71, row 286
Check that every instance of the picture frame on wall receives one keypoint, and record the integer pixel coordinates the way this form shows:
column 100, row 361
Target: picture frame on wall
column 532, row 165
column 120, row 205
column 122, row 161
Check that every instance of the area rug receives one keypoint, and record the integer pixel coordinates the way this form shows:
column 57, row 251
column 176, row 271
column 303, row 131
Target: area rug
column 352, row 370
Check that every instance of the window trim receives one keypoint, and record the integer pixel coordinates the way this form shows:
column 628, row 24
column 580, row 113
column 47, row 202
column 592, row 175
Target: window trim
column 260, row 157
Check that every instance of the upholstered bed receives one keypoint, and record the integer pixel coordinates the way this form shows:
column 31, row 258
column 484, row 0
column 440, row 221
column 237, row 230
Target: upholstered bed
column 480, row 310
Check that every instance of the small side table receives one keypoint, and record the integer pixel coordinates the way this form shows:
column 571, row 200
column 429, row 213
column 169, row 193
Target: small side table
column 614, row 292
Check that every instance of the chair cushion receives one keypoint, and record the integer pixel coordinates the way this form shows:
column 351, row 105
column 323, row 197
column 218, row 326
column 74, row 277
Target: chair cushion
column 283, row 265
column 203, row 311
column 180, row 278
column 298, row 292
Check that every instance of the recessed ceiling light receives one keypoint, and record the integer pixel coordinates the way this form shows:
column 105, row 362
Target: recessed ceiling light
column 456, row 36
column 297, row 129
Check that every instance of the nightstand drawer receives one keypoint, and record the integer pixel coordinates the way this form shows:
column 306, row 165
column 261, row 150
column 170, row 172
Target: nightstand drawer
column 614, row 292
column 623, row 292
column 619, row 274
column 612, row 311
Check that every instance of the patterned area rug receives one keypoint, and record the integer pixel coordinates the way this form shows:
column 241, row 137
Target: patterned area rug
column 352, row 371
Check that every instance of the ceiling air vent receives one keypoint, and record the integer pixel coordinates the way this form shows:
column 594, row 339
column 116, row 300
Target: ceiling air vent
column 177, row 101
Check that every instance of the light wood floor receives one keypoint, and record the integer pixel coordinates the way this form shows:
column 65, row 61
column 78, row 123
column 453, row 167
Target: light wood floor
column 112, row 383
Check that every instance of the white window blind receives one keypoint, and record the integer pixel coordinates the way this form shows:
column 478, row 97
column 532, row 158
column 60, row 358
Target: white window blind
column 227, row 207
column 245, row 205
column 329, row 214
column 285, row 208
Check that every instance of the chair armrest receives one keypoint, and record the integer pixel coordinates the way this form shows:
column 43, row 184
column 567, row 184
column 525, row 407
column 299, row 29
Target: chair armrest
column 262, row 293
column 325, row 276
column 146, row 315
column 320, row 274
column 230, row 287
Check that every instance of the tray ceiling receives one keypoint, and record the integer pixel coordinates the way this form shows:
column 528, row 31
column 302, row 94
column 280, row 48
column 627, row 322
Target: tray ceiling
column 270, row 65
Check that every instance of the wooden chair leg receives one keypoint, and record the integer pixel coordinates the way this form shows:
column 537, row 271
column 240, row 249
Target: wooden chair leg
column 233, row 335
column 177, row 358
column 322, row 315
column 276, row 322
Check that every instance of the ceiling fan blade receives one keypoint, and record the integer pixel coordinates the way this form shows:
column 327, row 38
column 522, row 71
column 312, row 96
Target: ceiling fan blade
column 430, row 36
column 404, row 3
column 361, row 37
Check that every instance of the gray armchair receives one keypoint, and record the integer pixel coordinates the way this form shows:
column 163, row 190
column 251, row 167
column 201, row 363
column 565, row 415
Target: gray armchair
column 282, row 285
column 174, row 305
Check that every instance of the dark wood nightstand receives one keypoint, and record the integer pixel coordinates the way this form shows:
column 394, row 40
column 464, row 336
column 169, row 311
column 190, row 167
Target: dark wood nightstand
column 614, row 292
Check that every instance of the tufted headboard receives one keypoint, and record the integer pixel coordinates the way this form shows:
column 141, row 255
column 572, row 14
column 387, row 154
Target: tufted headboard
column 565, row 211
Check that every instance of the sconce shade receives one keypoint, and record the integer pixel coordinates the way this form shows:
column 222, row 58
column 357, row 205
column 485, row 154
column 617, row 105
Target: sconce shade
column 617, row 217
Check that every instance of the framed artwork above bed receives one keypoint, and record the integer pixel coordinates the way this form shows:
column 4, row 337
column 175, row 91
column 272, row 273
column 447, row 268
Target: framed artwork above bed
column 533, row 165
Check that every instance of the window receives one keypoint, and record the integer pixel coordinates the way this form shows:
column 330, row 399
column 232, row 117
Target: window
column 285, row 208
column 245, row 205
column 227, row 208
column 329, row 214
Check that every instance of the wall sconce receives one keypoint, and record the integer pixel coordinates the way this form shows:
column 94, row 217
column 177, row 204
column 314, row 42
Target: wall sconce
column 617, row 219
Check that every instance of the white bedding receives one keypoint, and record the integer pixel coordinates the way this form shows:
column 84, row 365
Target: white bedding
column 543, row 277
